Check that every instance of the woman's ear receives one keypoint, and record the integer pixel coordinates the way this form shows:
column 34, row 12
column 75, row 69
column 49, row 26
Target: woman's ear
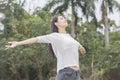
column 56, row 24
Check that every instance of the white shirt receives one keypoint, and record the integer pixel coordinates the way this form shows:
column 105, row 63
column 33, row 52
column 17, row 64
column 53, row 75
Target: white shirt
column 65, row 48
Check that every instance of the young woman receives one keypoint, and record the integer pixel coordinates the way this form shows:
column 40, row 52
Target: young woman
column 65, row 49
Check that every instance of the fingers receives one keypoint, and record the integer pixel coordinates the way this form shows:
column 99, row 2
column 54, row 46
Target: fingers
column 83, row 51
column 9, row 45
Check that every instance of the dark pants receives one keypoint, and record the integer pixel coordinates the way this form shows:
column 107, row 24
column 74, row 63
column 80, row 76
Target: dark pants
column 68, row 74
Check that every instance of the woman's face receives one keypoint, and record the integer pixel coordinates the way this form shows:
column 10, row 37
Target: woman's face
column 61, row 22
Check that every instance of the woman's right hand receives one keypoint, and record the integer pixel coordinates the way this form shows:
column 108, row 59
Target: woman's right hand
column 11, row 44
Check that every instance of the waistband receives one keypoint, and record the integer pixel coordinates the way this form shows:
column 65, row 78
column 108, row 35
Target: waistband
column 68, row 69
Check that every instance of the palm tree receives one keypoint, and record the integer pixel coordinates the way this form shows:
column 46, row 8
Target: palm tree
column 64, row 5
column 105, row 6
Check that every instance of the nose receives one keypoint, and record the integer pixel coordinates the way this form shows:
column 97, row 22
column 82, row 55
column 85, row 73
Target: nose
column 65, row 20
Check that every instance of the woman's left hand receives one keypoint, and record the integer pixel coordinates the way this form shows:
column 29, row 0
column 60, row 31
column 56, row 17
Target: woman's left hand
column 82, row 50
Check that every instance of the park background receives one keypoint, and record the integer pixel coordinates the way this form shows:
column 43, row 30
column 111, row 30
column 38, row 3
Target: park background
column 101, row 38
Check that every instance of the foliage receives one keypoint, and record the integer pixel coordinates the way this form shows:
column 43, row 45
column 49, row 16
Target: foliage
column 26, row 62
column 32, row 62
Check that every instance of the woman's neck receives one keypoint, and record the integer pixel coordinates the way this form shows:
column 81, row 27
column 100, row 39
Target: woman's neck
column 62, row 31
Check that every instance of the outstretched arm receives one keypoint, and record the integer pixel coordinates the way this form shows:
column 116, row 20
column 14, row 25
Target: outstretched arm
column 24, row 42
column 39, row 39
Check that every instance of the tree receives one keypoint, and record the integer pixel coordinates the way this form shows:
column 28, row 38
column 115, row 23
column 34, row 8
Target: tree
column 74, row 5
column 105, row 6
column 24, row 62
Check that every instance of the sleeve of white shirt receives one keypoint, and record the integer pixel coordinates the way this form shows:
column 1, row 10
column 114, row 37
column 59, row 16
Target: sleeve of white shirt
column 45, row 38
column 80, row 46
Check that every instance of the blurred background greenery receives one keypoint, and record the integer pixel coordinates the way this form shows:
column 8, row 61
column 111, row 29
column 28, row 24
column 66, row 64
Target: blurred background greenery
column 33, row 62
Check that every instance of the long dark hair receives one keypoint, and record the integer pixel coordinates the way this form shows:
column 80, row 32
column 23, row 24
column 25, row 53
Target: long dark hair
column 53, row 29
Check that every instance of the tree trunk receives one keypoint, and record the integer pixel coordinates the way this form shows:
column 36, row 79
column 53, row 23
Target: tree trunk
column 40, row 77
column 72, row 29
column 92, row 66
column 105, row 22
column 73, row 20
column 106, row 32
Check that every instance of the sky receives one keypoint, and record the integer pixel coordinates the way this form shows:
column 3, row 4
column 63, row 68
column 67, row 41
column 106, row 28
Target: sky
column 32, row 4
